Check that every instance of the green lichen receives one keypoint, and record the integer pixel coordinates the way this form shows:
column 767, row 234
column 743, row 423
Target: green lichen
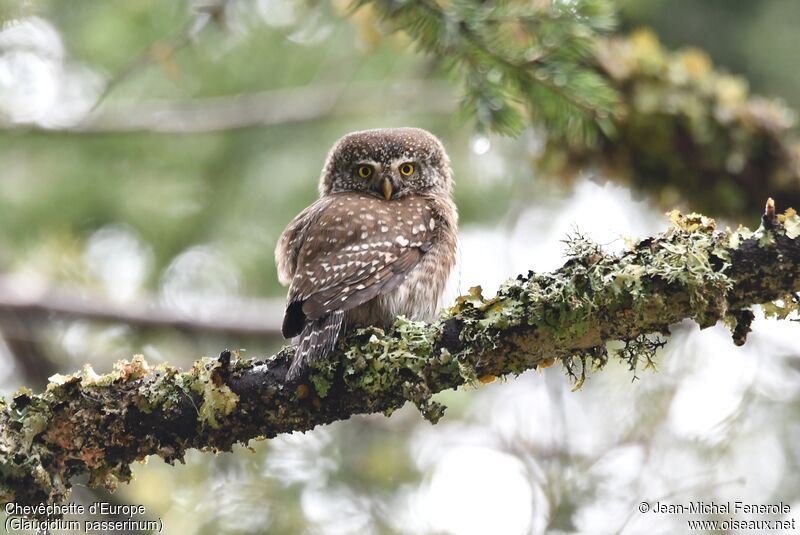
column 160, row 393
column 782, row 308
column 380, row 363
column 123, row 371
column 71, row 420
column 22, row 423
column 323, row 377
column 467, row 372
column 691, row 259
column 791, row 223
column 789, row 226
column 736, row 237
column 578, row 365
column 57, row 380
column 218, row 399
column 34, row 424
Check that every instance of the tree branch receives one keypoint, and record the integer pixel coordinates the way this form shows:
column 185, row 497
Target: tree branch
column 256, row 318
column 97, row 425
column 268, row 108
column 687, row 131
column 22, row 343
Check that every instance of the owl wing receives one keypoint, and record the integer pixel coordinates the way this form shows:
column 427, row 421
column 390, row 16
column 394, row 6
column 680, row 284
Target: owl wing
column 363, row 250
column 289, row 244
column 364, row 282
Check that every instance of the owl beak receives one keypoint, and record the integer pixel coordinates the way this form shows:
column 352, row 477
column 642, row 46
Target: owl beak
column 387, row 188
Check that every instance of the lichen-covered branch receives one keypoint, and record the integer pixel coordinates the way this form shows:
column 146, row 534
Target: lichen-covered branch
column 687, row 130
column 97, row 425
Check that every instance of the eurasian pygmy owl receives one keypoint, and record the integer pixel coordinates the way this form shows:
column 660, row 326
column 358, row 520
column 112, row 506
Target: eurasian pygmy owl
column 379, row 242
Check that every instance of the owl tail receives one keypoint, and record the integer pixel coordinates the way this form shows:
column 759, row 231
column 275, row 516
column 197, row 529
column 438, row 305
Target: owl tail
column 315, row 342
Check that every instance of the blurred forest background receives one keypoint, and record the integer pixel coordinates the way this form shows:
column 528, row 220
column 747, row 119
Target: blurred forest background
column 151, row 153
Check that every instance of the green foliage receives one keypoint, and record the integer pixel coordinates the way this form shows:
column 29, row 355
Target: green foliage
column 517, row 58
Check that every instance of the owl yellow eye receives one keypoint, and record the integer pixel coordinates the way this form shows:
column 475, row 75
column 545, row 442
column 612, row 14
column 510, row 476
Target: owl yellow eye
column 406, row 169
column 364, row 171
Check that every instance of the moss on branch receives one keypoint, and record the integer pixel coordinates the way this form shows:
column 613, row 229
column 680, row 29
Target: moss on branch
column 687, row 130
column 93, row 425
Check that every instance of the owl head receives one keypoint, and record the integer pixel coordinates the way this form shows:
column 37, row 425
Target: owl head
column 388, row 163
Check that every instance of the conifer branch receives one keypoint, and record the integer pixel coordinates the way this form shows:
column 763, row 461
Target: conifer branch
column 529, row 58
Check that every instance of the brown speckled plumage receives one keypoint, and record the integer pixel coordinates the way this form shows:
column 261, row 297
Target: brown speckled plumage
column 356, row 257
